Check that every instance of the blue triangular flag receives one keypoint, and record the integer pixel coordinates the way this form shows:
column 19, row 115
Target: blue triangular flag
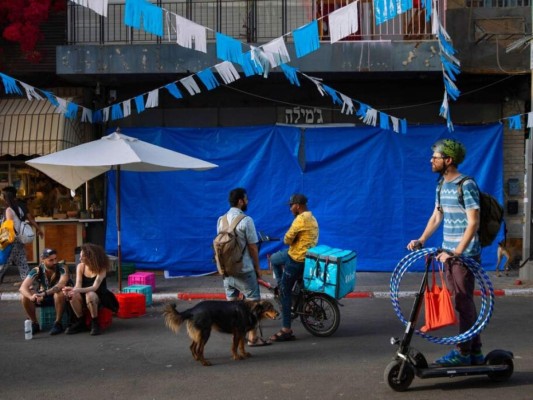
column 333, row 93
column 72, row 110
column 98, row 116
column 133, row 12
column 515, row 122
column 116, row 112
column 51, row 98
column 249, row 66
column 384, row 121
column 290, row 74
column 152, row 19
column 306, row 39
column 361, row 112
column 173, row 90
column 208, row 79
column 229, row 49
column 10, row 85
column 139, row 103
column 403, row 124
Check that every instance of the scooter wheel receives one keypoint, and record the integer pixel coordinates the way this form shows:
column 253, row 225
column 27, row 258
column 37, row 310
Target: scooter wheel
column 500, row 359
column 396, row 382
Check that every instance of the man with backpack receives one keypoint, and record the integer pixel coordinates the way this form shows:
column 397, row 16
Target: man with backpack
column 461, row 217
column 237, row 255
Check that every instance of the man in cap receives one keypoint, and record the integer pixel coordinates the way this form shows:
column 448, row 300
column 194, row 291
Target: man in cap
column 288, row 265
column 42, row 288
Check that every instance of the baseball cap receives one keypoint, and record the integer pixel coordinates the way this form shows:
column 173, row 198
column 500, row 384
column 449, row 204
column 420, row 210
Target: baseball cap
column 297, row 199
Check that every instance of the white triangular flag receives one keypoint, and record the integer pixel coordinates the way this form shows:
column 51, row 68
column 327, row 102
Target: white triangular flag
column 190, row 84
column 347, row 105
column 530, row 119
column 395, row 124
column 98, row 6
column 126, row 108
column 105, row 114
column 62, row 106
column 86, row 115
column 317, row 83
column 153, row 99
column 30, row 92
column 371, row 117
column 277, row 52
column 190, row 34
column 344, row 21
column 227, row 72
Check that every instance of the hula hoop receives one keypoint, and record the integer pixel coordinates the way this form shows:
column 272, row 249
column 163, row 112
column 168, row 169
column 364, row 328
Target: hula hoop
column 482, row 279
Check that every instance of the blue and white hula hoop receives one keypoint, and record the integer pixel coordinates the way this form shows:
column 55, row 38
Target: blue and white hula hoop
column 484, row 283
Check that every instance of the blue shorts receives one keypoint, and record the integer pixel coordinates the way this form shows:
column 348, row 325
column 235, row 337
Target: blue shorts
column 243, row 283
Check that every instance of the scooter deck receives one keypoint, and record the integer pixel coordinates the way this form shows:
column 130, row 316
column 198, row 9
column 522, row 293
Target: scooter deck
column 437, row 371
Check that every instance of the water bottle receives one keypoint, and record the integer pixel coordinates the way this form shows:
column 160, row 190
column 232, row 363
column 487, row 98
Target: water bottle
column 27, row 329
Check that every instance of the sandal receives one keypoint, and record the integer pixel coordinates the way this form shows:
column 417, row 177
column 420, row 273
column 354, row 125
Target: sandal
column 282, row 336
column 258, row 342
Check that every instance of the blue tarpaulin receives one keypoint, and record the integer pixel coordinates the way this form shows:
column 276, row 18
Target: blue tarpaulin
column 371, row 190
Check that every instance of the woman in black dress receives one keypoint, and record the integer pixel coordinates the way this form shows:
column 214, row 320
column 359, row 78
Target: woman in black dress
column 90, row 289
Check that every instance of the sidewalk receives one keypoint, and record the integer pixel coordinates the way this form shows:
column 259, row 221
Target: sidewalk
column 368, row 285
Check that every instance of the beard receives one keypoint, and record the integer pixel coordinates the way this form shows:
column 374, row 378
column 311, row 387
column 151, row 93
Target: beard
column 244, row 207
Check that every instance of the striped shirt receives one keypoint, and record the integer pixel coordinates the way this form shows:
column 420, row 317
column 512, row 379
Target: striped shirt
column 455, row 218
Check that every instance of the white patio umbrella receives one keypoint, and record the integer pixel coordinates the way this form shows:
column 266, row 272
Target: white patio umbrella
column 73, row 167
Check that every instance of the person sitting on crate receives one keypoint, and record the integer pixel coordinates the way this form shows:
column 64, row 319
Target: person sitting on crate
column 90, row 289
column 42, row 287
column 288, row 265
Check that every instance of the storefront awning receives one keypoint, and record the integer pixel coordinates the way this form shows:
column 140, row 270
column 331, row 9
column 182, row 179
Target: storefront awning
column 36, row 128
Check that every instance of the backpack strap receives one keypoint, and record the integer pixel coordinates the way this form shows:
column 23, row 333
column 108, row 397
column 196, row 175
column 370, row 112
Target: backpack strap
column 233, row 226
column 459, row 190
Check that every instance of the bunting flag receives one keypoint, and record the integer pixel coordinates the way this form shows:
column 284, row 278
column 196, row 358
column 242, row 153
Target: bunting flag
column 249, row 65
column 333, row 94
column 361, row 112
column 72, row 110
column 306, row 39
column 403, row 123
column 384, row 121
column 153, row 99
column 277, row 52
column 384, row 10
column 116, row 112
column 344, row 22
column 228, row 49
column 97, row 116
column 347, row 105
column 515, row 122
column 291, row 74
column 10, row 85
column 227, row 72
column 190, row 34
column 61, row 107
column 105, row 114
column 31, row 92
column 173, row 90
column 133, row 13
column 208, row 79
column 371, row 117
column 152, row 17
column 98, row 6
column 190, row 84
column 126, row 106
column 139, row 103
column 51, row 98
column 86, row 115
column 530, row 119
column 260, row 59
column 317, row 83
column 395, row 124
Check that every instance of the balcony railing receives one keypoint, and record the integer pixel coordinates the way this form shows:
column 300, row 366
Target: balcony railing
column 252, row 21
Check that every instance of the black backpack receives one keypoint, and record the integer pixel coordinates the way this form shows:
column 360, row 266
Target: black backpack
column 490, row 213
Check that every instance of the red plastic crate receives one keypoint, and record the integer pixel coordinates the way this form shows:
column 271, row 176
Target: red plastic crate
column 105, row 317
column 131, row 305
column 142, row 278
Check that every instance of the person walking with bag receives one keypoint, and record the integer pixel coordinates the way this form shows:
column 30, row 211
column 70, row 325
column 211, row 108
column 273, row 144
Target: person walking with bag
column 244, row 282
column 460, row 238
column 16, row 212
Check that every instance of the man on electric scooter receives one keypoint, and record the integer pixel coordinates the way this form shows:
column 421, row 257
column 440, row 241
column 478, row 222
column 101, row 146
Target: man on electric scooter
column 288, row 265
column 460, row 238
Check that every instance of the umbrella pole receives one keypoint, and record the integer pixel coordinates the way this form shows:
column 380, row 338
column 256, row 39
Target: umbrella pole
column 117, row 212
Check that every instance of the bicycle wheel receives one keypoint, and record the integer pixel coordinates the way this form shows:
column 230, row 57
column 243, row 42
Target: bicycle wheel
column 320, row 315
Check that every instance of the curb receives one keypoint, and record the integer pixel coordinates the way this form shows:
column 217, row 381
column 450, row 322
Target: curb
column 190, row 296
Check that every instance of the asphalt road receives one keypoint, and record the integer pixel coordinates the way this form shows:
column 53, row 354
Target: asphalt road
column 141, row 359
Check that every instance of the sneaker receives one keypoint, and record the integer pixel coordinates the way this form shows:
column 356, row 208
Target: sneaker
column 76, row 327
column 454, row 358
column 95, row 328
column 56, row 329
column 477, row 358
column 35, row 328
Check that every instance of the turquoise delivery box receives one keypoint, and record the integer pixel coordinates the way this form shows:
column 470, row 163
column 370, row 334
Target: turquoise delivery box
column 330, row 270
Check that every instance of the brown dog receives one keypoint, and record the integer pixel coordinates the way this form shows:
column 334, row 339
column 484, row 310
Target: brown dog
column 512, row 252
column 235, row 317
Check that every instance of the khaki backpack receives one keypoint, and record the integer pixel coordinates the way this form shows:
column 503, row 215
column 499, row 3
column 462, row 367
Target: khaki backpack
column 228, row 251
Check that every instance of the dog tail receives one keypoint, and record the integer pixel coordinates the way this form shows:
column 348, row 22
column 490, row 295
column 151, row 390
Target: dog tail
column 173, row 319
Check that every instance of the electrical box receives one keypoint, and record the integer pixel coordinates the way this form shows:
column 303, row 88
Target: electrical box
column 513, row 187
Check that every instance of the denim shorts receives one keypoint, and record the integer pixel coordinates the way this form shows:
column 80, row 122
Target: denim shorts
column 243, row 283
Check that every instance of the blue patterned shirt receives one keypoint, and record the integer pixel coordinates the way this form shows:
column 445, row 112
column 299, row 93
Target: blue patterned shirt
column 455, row 218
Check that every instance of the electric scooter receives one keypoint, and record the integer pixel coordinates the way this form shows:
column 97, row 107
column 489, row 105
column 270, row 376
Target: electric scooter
column 409, row 362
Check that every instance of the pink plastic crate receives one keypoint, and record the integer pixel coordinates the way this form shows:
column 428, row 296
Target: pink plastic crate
column 142, row 278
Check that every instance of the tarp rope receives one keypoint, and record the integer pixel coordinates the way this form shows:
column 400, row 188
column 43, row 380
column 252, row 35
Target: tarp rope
column 482, row 279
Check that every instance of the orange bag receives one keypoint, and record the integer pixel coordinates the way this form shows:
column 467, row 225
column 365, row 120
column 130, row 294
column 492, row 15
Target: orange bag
column 438, row 305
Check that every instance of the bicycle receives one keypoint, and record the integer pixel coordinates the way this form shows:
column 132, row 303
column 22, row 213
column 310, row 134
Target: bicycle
column 318, row 312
